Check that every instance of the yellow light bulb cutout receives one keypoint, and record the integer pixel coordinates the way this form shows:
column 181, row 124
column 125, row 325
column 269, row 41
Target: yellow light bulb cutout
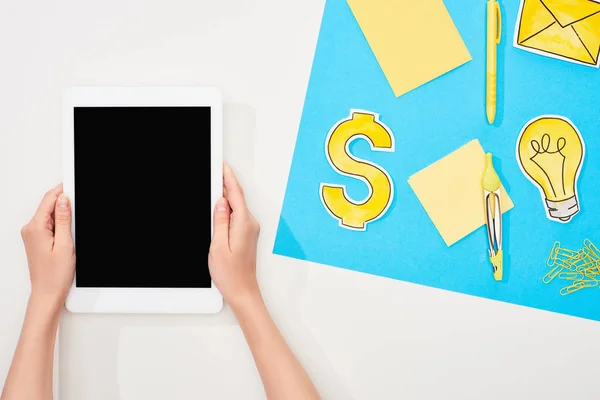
column 550, row 151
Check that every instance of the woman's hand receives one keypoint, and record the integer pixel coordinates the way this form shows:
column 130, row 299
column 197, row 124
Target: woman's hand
column 232, row 258
column 51, row 258
column 232, row 262
column 49, row 246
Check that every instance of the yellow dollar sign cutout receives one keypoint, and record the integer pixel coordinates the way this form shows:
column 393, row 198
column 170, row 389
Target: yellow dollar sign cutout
column 353, row 214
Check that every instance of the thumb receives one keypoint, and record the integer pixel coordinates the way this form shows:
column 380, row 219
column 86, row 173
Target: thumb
column 221, row 223
column 62, row 222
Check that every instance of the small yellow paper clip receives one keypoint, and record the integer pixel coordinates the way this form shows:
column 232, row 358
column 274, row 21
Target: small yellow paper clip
column 553, row 253
column 567, row 290
column 592, row 248
column 565, row 254
column 554, row 272
column 571, row 276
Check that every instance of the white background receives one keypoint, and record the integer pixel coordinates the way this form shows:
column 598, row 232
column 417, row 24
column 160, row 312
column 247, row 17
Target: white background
column 360, row 337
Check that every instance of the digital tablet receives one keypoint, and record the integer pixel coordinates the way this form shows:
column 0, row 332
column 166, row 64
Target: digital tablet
column 143, row 170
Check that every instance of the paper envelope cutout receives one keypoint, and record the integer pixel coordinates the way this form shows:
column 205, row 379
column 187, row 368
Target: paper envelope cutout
column 414, row 41
column 450, row 191
column 565, row 29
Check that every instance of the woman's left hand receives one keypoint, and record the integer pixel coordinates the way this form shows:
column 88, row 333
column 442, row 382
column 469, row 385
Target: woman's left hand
column 49, row 246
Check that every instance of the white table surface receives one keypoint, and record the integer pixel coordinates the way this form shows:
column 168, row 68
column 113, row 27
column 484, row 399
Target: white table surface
column 359, row 336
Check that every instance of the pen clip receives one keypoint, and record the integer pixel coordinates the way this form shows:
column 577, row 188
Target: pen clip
column 498, row 23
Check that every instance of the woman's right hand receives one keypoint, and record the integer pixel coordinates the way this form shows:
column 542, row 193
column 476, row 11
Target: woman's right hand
column 232, row 256
column 232, row 263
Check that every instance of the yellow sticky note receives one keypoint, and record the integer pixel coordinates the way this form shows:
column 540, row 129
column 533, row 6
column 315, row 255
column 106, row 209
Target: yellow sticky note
column 451, row 193
column 415, row 41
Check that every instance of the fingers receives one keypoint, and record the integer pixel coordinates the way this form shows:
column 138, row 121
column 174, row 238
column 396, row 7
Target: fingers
column 62, row 223
column 46, row 207
column 221, row 224
column 233, row 190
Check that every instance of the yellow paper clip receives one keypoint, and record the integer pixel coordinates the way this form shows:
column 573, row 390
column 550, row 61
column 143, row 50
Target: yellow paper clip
column 553, row 253
column 554, row 272
column 587, row 243
column 565, row 254
column 567, row 290
column 571, row 276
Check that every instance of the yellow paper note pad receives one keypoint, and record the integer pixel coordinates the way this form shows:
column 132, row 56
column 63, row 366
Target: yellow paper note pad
column 451, row 193
column 415, row 41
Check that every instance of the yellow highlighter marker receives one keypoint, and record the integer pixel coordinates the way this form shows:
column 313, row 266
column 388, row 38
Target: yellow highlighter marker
column 494, row 31
column 493, row 214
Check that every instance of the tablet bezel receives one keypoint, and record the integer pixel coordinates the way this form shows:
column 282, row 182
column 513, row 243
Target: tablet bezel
column 143, row 300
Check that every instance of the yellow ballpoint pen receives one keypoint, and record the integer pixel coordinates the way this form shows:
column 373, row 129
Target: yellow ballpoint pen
column 494, row 31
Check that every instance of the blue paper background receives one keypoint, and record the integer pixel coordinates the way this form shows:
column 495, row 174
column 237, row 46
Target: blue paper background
column 429, row 123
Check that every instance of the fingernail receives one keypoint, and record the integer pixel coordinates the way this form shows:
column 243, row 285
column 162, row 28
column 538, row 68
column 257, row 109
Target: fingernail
column 63, row 201
column 221, row 205
column 226, row 167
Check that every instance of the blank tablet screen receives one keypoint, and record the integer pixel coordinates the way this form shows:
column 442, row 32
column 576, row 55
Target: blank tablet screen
column 142, row 197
